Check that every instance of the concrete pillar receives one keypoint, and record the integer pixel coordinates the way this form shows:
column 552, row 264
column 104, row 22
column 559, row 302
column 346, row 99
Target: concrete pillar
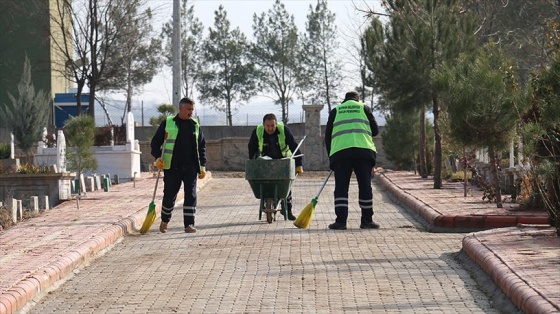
column 14, row 210
column 315, row 157
column 19, row 206
column 97, row 182
column 90, row 184
column 12, row 146
column 65, row 189
column 130, row 130
column 46, row 204
column 34, row 204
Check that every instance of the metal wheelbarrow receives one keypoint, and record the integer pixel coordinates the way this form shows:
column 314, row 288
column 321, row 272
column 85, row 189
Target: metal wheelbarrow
column 271, row 181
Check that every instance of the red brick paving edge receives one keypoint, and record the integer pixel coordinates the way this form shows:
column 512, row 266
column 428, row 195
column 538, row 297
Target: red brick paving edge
column 15, row 298
column 439, row 220
column 19, row 294
column 519, row 292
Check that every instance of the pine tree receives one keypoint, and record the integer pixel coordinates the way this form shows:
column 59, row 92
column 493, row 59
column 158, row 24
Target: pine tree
column 420, row 35
column 319, row 44
column 28, row 114
column 228, row 75
column 275, row 53
column 482, row 103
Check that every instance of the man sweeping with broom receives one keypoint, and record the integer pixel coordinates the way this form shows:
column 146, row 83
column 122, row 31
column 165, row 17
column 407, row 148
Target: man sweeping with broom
column 349, row 141
column 183, row 159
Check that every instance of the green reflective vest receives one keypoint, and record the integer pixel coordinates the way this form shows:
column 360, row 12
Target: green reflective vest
column 351, row 128
column 281, row 139
column 171, row 131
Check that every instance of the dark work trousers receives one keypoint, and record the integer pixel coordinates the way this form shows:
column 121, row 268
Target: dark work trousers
column 342, row 173
column 172, row 183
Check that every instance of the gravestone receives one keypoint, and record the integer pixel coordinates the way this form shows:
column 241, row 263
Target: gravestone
column 61, row 151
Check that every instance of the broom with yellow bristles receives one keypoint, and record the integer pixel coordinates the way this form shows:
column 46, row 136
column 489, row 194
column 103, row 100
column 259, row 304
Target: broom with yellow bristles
column 151, row 215
column 304, row 218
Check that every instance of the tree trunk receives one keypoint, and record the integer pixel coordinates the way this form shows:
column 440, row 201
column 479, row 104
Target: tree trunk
column 79, row 92
column 423, row 169
column 437, row 149
column 465, row 180
column 494, row 160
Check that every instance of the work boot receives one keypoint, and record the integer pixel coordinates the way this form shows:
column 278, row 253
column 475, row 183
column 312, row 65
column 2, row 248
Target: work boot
column 290, row 214
column 369, row 225
column 163, row 227
column 337, row 226
column 190, row 229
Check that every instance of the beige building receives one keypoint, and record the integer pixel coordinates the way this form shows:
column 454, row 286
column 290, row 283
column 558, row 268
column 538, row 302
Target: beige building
column 30, row 28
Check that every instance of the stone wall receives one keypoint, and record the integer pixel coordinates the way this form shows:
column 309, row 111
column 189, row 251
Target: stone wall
column 227, row 146
column 22, row 186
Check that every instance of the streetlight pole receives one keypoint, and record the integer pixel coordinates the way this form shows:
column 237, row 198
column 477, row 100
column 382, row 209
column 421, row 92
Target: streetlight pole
column 176, row 46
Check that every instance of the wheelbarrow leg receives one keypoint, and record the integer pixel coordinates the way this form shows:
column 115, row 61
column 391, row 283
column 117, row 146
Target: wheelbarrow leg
column 261, row 207
column 284, row 204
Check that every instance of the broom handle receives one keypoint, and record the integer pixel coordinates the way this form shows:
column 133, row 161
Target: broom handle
column 324, row 183
column 155, row 189
column 159, row 171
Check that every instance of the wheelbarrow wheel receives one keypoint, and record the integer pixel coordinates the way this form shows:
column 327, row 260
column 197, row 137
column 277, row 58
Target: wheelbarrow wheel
column 269, row 210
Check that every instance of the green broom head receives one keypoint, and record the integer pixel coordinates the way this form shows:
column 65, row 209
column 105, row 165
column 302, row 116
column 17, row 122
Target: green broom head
column 150, row 218
column 304, row 218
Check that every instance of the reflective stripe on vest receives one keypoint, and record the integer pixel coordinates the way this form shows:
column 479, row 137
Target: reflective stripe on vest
column 281, row 139
column 351, row 128
column 171, row 131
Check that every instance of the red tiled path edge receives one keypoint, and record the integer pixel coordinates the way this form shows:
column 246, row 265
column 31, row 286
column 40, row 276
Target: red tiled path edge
column 439, row 207
column 127, row 219
column 526, row 272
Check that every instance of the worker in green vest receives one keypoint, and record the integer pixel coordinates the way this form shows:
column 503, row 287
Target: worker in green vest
column 275, row 140
column 180, row 149
column 349, row 141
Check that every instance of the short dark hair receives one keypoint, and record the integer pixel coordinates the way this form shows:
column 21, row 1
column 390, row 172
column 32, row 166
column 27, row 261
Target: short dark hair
column 352, row 95
column 185, row 101
column 269, row 116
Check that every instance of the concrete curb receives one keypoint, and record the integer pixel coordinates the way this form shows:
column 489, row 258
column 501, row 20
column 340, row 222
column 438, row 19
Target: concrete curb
column 513, row 286
column 23, row 291
column 442, row 222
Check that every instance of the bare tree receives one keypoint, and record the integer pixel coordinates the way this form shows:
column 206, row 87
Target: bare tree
column 84, row 36
column 136, row 52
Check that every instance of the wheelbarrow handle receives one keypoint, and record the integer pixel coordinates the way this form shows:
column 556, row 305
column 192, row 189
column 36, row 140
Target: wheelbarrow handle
column 298, row 146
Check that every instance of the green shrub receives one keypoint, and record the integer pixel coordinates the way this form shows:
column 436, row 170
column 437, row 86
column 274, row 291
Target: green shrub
column 30, row 168
column 5, row 151
column 459, row 176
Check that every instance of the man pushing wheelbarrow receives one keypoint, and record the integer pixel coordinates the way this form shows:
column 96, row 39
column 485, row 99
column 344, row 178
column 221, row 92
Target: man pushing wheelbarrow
column 273, row 140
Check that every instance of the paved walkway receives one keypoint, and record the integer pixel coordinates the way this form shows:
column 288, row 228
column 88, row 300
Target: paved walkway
column 237, row 264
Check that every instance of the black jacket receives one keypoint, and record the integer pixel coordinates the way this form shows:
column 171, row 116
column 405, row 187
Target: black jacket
column 185, row 149
column 271, row 148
